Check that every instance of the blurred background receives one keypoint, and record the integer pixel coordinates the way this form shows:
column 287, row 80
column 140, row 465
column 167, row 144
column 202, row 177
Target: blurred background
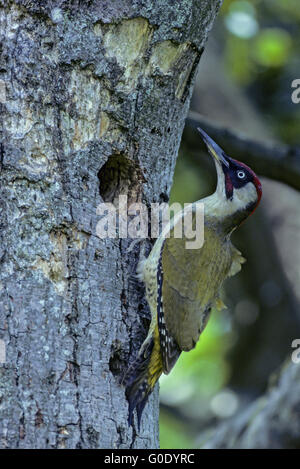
column 243, row 84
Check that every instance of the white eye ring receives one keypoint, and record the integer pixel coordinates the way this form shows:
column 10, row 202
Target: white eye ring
column 241, row 174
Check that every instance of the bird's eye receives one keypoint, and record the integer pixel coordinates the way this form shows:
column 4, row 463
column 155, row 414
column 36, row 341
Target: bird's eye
column 241, row 174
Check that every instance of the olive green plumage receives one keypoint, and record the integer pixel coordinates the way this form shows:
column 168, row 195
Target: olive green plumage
column 189, row 284
column 191, row 281
column 183, row 284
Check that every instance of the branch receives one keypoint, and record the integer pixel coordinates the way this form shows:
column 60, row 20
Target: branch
column 272, row 160
column 272, row 421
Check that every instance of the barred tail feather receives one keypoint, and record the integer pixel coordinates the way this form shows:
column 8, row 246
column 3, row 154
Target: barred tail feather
column 145, row 373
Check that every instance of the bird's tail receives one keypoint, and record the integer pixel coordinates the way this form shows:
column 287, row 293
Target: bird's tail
column 143, row 376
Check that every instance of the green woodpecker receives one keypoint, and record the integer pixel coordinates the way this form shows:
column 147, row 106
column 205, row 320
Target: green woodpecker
column 182, row 285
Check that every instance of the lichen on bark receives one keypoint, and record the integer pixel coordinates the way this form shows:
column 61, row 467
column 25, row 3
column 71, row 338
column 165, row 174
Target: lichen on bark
column 85, row 85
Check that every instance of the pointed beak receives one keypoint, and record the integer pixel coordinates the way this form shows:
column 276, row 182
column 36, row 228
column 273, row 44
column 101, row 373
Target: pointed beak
column 214, row 149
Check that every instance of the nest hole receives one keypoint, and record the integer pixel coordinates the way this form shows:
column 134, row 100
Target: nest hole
column 120, row 176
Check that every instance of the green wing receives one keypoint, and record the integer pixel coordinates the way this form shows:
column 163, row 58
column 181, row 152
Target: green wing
column 191, row 283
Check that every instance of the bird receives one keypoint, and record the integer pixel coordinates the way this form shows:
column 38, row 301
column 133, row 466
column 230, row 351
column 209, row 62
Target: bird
column 183, row 285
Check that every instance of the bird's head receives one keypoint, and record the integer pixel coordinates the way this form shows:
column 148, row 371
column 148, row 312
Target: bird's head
column 238, row 188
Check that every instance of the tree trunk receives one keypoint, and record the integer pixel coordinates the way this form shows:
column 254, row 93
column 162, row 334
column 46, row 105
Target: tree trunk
column 93, row 99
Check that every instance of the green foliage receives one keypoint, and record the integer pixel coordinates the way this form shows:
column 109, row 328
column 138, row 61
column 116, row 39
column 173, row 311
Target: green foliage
column 173, row 435
column 272, row 47
column 261, row 52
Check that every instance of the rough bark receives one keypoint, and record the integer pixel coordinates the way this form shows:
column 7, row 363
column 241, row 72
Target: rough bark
column 93, row 100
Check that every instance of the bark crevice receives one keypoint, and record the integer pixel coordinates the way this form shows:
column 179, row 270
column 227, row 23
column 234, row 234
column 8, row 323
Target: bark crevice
column 84, row 89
